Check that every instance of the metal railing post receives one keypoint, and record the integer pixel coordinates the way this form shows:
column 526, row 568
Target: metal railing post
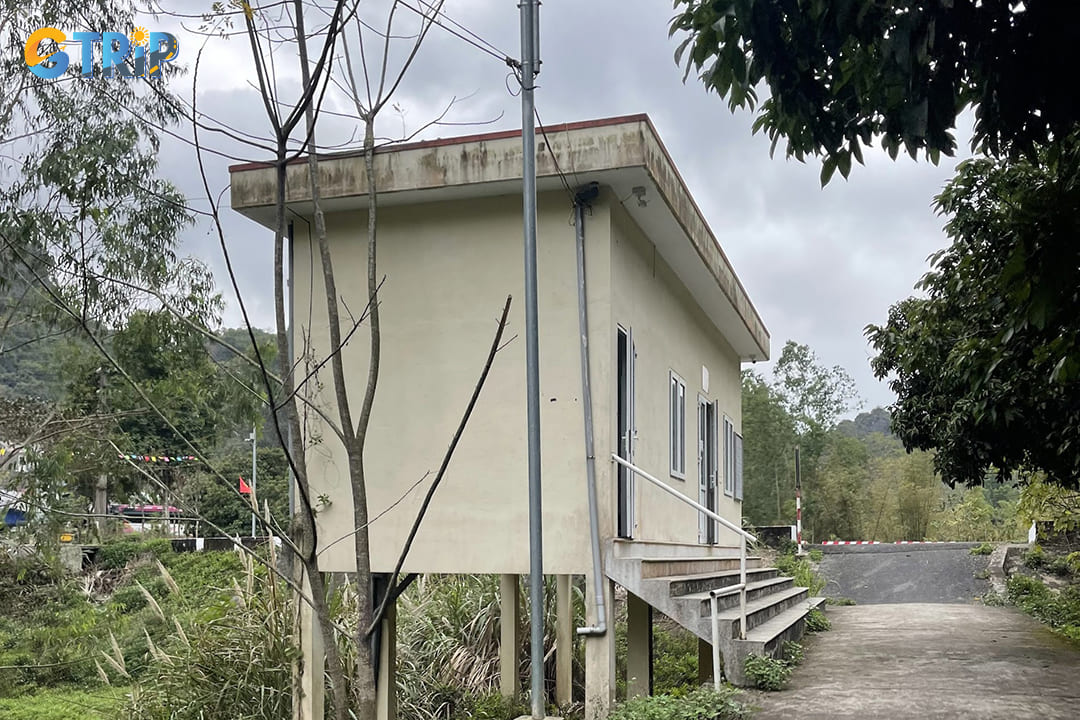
column 714, row 605
column 742, row 592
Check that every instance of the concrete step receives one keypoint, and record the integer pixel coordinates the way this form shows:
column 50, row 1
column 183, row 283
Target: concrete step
column 767, row 639
column 758, row 612
column 657, row 567
column 690, row 584
column 756, row 590
column 624, row 548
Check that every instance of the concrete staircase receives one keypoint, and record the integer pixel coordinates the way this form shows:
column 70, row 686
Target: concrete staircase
column 676, row 580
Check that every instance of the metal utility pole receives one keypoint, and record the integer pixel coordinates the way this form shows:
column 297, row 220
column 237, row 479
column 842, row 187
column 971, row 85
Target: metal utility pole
column 254, row 497
column 530, row 67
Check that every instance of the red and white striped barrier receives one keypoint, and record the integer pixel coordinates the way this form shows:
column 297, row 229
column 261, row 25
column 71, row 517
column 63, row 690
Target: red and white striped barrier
column 898, row 542
column 851, row 542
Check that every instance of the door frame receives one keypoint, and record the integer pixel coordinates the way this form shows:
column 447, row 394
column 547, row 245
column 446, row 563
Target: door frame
column 626, row 430
column 708, row 532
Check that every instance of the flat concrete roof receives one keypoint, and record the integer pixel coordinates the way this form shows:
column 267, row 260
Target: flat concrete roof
column 620, row 152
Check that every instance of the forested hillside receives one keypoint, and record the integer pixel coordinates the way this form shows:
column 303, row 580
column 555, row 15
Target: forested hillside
column 858, row 482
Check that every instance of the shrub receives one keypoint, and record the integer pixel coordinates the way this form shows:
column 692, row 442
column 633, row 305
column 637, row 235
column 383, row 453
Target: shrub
column 816, row 556
column 235, row 662
column 793, row 652
column 800, row 570
column 699, row 704
column 118, row 553
column 767, row 673
column 983, row 549
column 839, row 601
column 816, row 621
column 1035, row 558
column 1061, row 611
column 675, row 659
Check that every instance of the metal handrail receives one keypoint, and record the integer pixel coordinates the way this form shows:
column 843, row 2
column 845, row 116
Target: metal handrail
column 714, row 595
column 692, row 503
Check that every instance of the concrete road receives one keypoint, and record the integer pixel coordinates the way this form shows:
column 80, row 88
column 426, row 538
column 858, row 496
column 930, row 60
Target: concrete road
column 928, row 661
column 905, row 573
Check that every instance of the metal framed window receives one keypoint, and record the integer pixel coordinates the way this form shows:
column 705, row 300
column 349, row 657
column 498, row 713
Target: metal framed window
column 677, row 425
column 738, row 467
column 729, row 457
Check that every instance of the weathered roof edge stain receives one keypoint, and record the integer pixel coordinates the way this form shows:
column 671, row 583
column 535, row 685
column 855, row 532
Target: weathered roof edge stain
column 673, row 189
column 583, row 147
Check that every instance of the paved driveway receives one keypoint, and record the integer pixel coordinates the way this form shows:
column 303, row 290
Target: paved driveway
column 928, row 661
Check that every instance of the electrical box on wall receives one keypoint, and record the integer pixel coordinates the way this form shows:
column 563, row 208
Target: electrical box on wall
column 704, row 379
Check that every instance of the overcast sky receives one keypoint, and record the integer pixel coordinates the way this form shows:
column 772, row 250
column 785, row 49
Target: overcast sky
column 818, row 264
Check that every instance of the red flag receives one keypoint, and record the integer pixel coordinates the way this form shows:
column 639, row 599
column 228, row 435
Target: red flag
column 245, row 489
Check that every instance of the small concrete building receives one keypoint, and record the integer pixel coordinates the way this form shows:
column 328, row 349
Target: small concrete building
column 668, row 327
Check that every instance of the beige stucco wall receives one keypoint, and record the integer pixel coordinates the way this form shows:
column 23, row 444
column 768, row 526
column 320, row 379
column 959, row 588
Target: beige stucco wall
column 449, row 267
column 670, row 333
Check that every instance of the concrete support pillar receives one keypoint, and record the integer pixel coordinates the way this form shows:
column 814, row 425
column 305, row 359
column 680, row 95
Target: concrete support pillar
column 386, row 688
column 564, row 641
column 704, row 662
column 509, row 636
column 600, row 655
column 310, row 703
column 638, row 647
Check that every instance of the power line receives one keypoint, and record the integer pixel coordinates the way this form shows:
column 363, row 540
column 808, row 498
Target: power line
column 554, row 156
column 486, row 47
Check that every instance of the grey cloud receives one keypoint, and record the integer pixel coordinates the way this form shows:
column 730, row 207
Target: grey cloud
column 819, row 264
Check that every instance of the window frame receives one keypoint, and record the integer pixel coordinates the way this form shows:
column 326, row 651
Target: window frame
column 729, row 457
column 738, row 467
column 676, row 425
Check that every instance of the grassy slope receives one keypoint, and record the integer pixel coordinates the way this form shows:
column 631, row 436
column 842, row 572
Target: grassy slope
column 52, row 630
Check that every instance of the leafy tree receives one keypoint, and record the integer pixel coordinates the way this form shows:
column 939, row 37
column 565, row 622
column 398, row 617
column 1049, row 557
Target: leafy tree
column 798, row 407
column 769, row 430
column 986, row 367
column 838, row 498
column 841, row 73
column 215, row 503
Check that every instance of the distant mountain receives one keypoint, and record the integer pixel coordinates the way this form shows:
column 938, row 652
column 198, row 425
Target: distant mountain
column 877, row 420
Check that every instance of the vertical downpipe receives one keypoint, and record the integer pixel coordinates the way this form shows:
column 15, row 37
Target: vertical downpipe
column 586, row 403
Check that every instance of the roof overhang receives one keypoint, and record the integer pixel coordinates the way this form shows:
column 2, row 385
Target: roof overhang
column 620, row 153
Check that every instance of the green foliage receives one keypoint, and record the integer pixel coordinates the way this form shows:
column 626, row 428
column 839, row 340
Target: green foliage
column 448, row 643
column 1035, row 558
column 1059, row 610
column 64, row 704
column 115, row 554
column 1041, row 501
column 798, row 407
column 815, row 556
column 800, row 569
column 979, row 513
column 235, row 661
column 54, row 626
column 698, row 704
column 767, row 673
column 675, row 659
column 816, row 621
column 983, row 549
column 839, row 601
column 841, row 75
column 986, row 366
column 793, row 652
column 218, row 503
